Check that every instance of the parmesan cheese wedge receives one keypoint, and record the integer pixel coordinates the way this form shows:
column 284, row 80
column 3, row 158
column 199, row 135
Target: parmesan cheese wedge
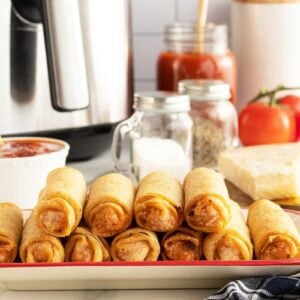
column 266, row 171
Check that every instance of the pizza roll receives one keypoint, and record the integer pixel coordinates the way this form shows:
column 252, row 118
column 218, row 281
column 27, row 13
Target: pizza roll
column 158, row 204
column 11, row 225
column 232, row 242
column 83, row 246
column 207, row 204
column 109, row 208
column 135, row 244
column 273, row 232
column 182, row 244
column 60, row 204
column 39, row 247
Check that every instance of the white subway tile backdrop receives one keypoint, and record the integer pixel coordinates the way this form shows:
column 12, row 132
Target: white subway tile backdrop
column 149, row 20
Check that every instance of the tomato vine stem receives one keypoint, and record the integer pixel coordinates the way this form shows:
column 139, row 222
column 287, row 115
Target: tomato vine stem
column 272, row 93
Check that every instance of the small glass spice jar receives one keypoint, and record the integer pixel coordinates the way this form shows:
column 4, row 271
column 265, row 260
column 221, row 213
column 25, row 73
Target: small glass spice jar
column 214, row 117
column 157, row 137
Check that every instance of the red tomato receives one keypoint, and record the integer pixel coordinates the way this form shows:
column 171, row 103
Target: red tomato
column 260, row 123
column 293, row 102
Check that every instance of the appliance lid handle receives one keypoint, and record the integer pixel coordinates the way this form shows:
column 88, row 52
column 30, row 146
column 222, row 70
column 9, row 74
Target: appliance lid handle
column 65, row 54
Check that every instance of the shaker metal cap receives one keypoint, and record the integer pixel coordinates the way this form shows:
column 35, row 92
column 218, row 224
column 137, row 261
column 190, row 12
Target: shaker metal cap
column 205, row 89
column 160, row 101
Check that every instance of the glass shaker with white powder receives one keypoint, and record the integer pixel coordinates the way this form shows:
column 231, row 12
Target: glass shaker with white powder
column 215, row 119
column 157, row 137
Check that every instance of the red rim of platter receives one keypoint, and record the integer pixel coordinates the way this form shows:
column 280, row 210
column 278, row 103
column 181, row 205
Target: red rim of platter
column 196, row 263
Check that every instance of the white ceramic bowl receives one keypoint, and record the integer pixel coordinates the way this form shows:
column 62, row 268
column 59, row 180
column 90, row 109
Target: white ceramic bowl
column 22, row 178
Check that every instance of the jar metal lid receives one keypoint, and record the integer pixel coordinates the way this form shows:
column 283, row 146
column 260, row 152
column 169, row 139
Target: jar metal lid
column 205, row 89
column 188, row 32
column 160, row 101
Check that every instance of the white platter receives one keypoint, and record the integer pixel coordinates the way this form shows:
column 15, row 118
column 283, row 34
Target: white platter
column 140, row 275
column 137, row 275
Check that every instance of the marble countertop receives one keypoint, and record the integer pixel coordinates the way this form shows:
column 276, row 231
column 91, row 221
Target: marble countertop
column 196, row 294
column 91, row 169
column 95, row 167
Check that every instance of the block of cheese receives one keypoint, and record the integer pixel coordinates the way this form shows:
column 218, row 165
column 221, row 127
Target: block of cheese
column 265, row 171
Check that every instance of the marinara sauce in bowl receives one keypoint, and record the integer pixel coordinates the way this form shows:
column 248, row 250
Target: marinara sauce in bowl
column 24, row 165
column 28, row 147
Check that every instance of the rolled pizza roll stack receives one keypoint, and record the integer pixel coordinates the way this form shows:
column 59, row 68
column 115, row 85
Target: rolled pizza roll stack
column 11, row 225
column 232, row 242
column 60, row 203
column 109, row 208
column 182, row 244
column 37, row 246
column 273, row 232
column 207, row 204
column 135, row 244
column 158, row 204
column 83, row 245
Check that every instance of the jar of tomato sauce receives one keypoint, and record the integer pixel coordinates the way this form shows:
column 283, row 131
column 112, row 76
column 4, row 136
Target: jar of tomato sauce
column 194, row 54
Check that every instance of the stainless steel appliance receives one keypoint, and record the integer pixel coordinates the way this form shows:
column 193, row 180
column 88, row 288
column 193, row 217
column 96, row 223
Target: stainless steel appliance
column 65, row 70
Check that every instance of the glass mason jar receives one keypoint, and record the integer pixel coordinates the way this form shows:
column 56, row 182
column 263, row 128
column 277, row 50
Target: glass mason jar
column 192, row 54
column 157, row 137
column 215, row 120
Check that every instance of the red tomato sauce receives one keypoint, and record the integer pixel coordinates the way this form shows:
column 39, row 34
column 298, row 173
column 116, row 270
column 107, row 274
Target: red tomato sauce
column 27, row 148
column 175, row 66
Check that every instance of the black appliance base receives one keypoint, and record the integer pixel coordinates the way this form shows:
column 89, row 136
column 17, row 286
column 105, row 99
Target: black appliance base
column 85, row 142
